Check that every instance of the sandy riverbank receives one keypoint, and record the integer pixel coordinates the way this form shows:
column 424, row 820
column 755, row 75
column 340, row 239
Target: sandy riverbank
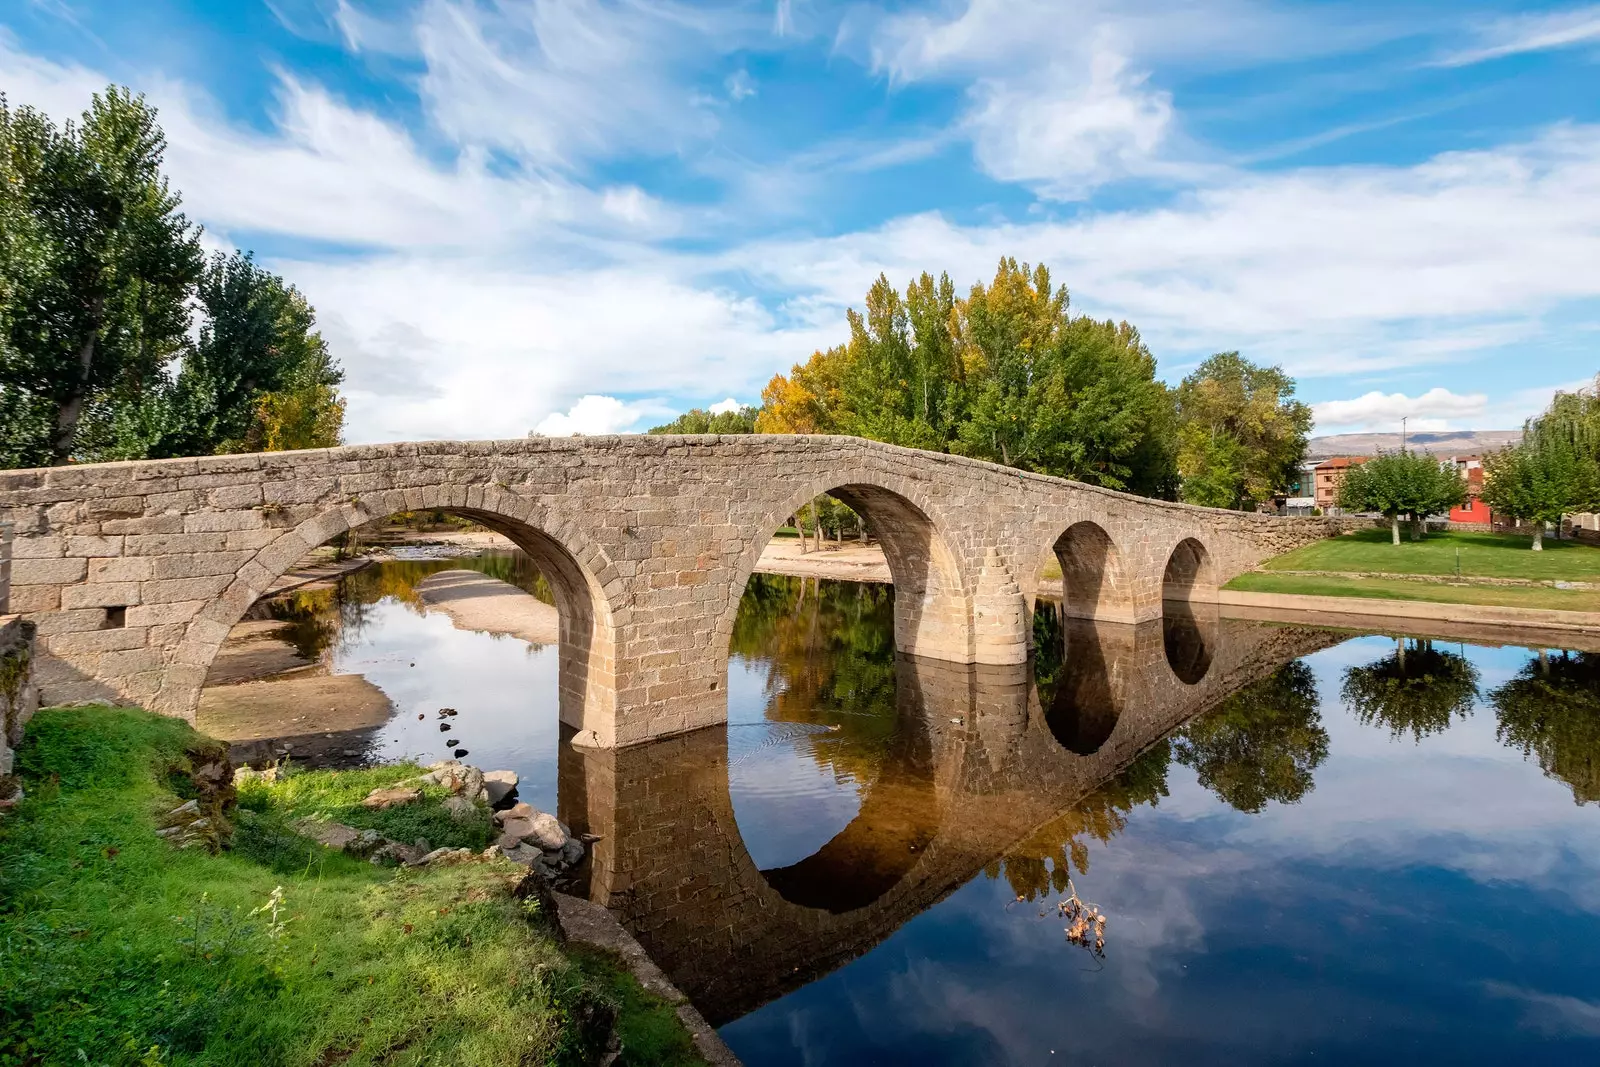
column 474, row 601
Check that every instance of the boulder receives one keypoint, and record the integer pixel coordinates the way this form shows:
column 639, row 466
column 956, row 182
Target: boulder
column 393, row 853
column 518, row 828
column 332, row 834
column 444, row 857
column 499, row 785
column 523, row 854
column 572, row 853
column 546, row 832
column 508, row 841
column 519, row 810
column 380, row 799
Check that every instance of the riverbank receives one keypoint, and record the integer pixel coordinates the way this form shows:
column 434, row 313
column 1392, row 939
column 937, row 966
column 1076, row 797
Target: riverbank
column 243, row 941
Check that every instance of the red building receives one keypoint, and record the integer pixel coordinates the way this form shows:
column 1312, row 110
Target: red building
column 1474, row 510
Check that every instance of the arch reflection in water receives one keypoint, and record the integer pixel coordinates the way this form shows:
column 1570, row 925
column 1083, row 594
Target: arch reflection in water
column 1078, row 668
column 1189, row 634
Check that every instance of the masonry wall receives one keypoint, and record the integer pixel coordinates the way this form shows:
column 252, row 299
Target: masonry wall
column 134, row 572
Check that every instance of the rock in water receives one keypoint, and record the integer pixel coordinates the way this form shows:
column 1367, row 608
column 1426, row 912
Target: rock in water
column 499, row 785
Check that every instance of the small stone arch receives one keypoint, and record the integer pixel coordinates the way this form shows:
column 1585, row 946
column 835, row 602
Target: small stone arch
column 1093, row 584
column 932, row 612
column 573, row 566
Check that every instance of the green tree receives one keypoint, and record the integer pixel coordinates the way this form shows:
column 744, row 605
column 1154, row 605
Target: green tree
column 1402, row 483
column 1262, row 743
column 1545, row 477
column 1551, row 710
column 1417, row 689
column 699, row 420
column 259, row 374
column 1240, row 432
column 99, row 264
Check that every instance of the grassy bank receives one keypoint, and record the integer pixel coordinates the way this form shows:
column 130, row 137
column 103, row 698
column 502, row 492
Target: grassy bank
column 1356, row 565
column 1440, row 592
column 1482, row 555
column 117, row 948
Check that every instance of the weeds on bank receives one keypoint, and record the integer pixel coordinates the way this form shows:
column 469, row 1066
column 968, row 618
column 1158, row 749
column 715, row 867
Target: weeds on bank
column 118, row 949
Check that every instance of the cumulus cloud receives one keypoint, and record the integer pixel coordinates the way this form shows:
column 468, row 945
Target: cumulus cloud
column 723, row 407
column 593, row 415
column 1437, row 409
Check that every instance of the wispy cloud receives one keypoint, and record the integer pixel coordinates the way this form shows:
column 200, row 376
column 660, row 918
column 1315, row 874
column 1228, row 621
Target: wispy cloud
column 1436, row 409
column 1521, row 34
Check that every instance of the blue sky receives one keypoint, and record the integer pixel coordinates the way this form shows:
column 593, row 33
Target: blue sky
column 584, row 215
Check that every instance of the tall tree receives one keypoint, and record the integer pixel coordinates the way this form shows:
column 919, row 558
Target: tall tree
column 259, row 372
column 98, row 275
column 1545, row 477
column 1241, row 433
column 1396, row 484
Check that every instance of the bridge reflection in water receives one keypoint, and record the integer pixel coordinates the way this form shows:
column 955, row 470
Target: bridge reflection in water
column 981, row 760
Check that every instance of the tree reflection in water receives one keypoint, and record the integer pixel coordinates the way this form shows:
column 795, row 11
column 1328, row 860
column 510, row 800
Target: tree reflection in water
column 1551, row 710
column 1262, row 743
column 1417, row 689
column 1042, row 864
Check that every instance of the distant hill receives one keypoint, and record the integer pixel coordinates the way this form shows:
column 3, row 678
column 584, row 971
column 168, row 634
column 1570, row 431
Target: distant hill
column 1441, row 443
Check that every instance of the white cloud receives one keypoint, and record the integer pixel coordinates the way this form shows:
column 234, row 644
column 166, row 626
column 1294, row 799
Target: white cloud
column 723, row 407
column 1437, row 409
column 1542, row 32
column 740, row 85
column 592, row 415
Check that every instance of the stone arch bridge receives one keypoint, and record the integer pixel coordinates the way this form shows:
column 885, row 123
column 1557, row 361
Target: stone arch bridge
column 135, row 572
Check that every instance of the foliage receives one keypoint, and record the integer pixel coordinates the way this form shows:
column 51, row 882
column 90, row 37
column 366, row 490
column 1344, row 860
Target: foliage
column 114, row 943
column 1402, row 483
column 1240, row 432
column 99, row 263
column 1417, row 689
column 1551, row 710
column 1005, row 374
column 98, row 273
column 1544, row 477
column 1261, row 744
column 699, row 420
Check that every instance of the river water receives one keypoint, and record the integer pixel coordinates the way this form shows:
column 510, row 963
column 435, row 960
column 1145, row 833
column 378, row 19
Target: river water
column 1307, row 846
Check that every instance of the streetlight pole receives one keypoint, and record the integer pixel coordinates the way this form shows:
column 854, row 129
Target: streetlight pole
column 1403, row 419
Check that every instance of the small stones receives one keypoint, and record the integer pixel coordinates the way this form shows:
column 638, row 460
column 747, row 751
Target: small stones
column 381, row 799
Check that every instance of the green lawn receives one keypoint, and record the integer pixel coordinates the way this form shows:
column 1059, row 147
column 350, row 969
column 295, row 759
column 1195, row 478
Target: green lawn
column 1483, row 555
column 117, row 948
column 1434, row 592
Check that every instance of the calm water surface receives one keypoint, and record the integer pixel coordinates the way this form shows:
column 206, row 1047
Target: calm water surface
column 1309, row 847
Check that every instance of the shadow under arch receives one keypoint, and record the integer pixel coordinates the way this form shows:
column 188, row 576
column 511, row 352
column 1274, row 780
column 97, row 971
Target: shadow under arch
column 586, row 628
column 1092, row 583
column 1189, row 610
column 1085, row 702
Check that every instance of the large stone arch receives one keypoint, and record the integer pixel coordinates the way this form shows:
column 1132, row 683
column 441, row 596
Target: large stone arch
column 933, row 614
column 1189, row 574
column 569, row 562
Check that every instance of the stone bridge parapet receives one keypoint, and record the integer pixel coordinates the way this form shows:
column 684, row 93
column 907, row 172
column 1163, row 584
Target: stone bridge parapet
column 134, row 572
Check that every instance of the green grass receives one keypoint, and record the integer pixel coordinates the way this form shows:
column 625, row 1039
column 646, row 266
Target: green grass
column 116, row 948
column 1403, row 589
column 1484, row 555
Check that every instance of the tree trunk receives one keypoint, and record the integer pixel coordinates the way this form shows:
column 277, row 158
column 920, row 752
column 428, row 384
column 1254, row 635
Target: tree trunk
column 1417, row 526
column 1394, row 527
column 1538, row 537
column 816, row 522
column 71, row 409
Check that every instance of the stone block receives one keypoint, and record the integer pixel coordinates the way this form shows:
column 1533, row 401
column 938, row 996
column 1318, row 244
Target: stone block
column 27, row 571
column 122, row 569
column 164, row 614
column 117, row 640
column 131, row 661
column 31, row 599
column 100, row 595
column 144, row 525
column 94, row 546
column 199, row 564
column 176, row 590
column 171, row 544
